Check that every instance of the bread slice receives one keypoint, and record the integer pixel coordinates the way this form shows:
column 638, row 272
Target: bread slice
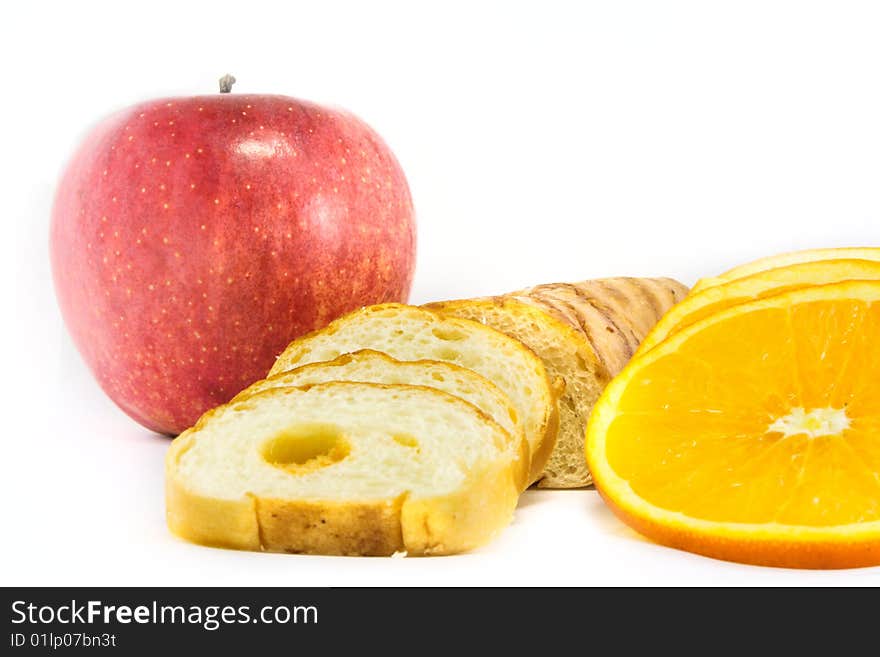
column 585, row 333
column 566, row 354
column 375, row 367
column 342, row 468
column 410, row 333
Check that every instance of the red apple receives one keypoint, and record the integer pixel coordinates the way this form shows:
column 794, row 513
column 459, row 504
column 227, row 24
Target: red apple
column 193, row 238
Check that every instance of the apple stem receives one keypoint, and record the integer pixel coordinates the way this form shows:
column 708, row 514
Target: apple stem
column 226, row 83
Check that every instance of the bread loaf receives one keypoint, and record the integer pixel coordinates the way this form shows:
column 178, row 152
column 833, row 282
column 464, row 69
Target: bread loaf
column 584, row 333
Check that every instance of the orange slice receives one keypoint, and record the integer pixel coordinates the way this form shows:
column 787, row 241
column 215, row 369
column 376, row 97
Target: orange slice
column 753, row 435
column 757, row 286
column 785, row 259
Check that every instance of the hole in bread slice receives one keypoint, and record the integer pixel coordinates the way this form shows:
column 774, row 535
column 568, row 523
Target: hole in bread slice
column 405, row 440
column 448, row 354
column 448, row 333
column 304, row 448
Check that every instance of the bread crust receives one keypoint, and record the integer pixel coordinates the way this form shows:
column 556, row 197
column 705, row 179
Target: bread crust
column 463, row 520
column 458, row 522
column 615, row 314
column 367, row 528
column 455, row 522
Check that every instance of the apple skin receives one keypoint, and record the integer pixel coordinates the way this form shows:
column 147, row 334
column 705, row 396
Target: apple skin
column 193, row 238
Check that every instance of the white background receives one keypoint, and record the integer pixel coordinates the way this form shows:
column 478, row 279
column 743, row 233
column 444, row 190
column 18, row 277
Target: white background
column 557, row 141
